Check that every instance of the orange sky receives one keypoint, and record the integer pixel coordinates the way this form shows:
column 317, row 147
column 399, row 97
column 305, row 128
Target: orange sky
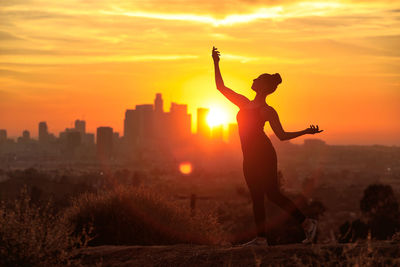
column 339, row 61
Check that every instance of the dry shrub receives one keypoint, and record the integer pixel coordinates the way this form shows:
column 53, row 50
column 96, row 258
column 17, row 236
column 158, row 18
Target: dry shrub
column 351, row 254
column 127, row 215
column 32, row 235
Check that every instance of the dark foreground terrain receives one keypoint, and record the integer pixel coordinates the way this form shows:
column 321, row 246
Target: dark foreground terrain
column 383, row 253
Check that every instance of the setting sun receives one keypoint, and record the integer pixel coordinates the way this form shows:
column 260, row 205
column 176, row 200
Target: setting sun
column 216, row 117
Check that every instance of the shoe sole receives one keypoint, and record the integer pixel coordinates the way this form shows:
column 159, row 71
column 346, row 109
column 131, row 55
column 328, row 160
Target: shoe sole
column 310, row 240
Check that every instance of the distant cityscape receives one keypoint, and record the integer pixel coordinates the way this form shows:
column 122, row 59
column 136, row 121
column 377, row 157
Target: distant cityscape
column 147, row 125
column 159, row 141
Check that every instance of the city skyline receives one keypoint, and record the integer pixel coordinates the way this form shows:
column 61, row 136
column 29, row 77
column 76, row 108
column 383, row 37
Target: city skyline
column 155, row 110
column 225, row 131
column 338, row 60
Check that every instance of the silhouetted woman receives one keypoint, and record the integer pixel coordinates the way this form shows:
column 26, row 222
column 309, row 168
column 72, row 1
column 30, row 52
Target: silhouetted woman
column 259, row 156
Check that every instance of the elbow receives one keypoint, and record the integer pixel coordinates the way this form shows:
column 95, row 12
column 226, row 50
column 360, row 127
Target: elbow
column 220, row 87
column 283, row 137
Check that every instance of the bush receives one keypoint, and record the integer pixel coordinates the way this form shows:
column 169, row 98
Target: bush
column 136, row 216
column 380, row 206
column 31, row 235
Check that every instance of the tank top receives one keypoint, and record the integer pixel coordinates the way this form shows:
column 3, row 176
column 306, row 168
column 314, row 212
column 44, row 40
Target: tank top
column 251, row 132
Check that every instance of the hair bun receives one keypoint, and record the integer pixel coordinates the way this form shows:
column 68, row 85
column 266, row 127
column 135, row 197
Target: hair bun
column 277, row 78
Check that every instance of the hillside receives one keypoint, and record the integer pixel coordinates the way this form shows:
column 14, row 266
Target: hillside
column 381, row 253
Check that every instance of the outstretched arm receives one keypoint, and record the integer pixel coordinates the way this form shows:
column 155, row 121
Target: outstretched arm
column 280, row 132
column 237, row 99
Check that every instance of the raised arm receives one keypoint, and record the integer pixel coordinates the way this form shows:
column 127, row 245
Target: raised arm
column 280, row 132
column 237, row 99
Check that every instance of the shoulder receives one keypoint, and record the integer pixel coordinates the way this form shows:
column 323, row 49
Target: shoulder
column 268, row 112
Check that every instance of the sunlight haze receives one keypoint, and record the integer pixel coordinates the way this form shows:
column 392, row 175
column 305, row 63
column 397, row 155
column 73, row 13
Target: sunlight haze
column 92, row 60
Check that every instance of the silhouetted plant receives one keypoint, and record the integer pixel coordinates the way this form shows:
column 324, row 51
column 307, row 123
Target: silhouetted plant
column 351, row 232
column 136, row 216
column 381, row 215
column 32, row 235
column 381, row 208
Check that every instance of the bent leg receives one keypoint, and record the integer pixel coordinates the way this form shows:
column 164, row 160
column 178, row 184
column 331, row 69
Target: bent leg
column 274, row 194
column 286, row 204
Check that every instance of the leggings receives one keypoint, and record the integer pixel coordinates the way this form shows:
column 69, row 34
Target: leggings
column 261, row 174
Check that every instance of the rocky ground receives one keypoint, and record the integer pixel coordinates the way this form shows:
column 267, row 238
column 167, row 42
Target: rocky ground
column 382, row 253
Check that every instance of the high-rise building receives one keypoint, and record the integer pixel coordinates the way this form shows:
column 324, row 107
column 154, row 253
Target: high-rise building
column 25, row 138
column 88, row 139
column 80, row 126
column 26, row 135
column 203, row 129
column 115, row 138
column 43, row 132
column 104, row 142
column 145, row 121
column 139, row 124
column 160, row 119
column 3, row 135
column 131, row 126
column 73, row 141
column 179, row 121
column 158, row 104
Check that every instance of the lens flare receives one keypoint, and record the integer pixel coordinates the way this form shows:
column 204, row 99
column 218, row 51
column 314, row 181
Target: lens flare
column 185, row 168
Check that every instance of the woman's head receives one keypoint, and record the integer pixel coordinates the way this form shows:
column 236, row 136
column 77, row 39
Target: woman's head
column 266, row 83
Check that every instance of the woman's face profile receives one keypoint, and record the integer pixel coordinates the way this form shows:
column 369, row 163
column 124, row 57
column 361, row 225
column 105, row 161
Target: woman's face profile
column 257, row 84
column 263, row 84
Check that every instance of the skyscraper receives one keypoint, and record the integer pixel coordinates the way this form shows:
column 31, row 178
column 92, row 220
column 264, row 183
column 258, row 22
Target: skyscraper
column 88, row 139
column 203, row 130
column 179, row 121
column 145, row 119
column 131, row 126
column 26, row 135
column 43, row 133
column 160, row 120
column 104, row 141
column 80, row 126
column 73, row 141
column 158, row 104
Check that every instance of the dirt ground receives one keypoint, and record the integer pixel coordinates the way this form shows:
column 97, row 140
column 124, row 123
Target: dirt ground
column 382, row 253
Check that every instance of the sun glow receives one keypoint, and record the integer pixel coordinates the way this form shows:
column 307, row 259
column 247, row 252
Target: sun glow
column 185, row 168
column 216, row 116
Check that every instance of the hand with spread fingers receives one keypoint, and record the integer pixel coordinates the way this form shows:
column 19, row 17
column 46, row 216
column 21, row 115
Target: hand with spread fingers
column 313, row 129
column 215, row 54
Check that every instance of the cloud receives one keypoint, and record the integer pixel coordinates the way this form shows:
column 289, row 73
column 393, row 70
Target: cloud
column 5, row 36
column 262, row 13
column 79, row 59
column 280, row 60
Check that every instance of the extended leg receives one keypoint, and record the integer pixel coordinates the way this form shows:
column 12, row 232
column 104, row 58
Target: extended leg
column 257, row 197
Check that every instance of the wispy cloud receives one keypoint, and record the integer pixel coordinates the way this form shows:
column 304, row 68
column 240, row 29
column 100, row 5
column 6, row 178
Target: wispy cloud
column 262, row 13
column 277, row 12
column 280, row 60
column 79, row 59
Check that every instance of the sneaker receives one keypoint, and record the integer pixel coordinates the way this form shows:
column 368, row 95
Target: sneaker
column 258, row 241
column 310, row 229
